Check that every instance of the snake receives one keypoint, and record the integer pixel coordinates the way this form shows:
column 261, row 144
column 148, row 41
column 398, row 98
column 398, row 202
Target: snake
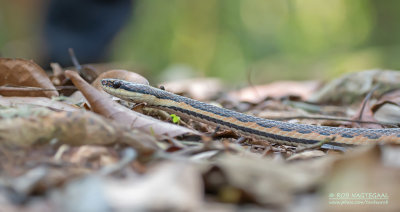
column 247, row 125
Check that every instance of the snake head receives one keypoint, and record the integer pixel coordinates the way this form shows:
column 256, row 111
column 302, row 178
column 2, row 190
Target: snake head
column 129, row 91
column 111, row 83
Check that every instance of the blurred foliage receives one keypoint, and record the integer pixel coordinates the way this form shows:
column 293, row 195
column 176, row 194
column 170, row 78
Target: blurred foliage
column 257, row 39
column 20, row 28
column 293, row 39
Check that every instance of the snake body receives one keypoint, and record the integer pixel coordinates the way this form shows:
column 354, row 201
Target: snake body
column 250, row 126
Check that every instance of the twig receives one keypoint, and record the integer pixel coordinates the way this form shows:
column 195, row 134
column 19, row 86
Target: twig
column 139, row 106
column 35, row 89
column 128, row 155
column 240, row 140
column 215, row 131
column 316, row 145
column 365, row 101
column 66, row 87
column 75, row 60
column 86, row 71
column 250, row 82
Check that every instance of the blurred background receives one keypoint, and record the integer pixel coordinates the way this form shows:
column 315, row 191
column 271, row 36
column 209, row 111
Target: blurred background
column 231, row 39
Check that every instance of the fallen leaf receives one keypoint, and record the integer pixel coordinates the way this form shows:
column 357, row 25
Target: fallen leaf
column 256, row 94
column 72, row 128
column 353, row 87
column 119, row 74
column 264, row 181
column 360, row 176
column 36, row 102
column 167, row 186
column 197, row 88
column 306, row 155
column 58, row 74
column 90, row 153
column 20, row 72
column 179, row 187
column 392, row 96
column 388, row 113
column 391, row 156
column 35, row 182
column 388, row 107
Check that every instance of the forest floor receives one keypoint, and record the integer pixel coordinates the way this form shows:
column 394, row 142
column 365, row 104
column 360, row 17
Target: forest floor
column 67, row 145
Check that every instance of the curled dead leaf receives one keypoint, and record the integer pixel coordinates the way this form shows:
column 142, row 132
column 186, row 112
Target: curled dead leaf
column 72, row 128
column 388, row 107
column 119, row 74
column 20, row 72
column 352, row 87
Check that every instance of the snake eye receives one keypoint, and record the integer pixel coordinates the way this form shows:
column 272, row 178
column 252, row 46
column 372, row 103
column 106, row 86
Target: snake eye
column 117, row 84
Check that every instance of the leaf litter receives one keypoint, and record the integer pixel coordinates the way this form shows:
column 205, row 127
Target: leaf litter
column 98, row 155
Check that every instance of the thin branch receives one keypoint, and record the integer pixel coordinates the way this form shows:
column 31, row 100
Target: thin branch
column 365, row 101
column 35, row 89
column 74, row 60
column 314, row 146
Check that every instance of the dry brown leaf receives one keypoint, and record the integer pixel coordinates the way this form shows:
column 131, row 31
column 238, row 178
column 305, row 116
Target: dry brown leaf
column 391, row 156
column 72, row 128
column 264, row 181
column 166, row 187
column 36, row 102
column 358, row 177
column 353, row 87
column 103, row 105
column 178, row 185
column 306, row 155
column 39, row 180
column 388, row 112
column 256, row 94
column 86, row 153
column 393, row 97
column 119, row 74
column 57, row 69
column 197, row 88
column 57, row 78
column 388, row 107
column 20, row 72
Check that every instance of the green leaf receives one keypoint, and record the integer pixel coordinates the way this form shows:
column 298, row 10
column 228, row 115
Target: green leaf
column 175, row 119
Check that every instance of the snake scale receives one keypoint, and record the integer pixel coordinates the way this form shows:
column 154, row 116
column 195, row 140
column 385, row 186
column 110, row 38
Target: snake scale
column 249, row 126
